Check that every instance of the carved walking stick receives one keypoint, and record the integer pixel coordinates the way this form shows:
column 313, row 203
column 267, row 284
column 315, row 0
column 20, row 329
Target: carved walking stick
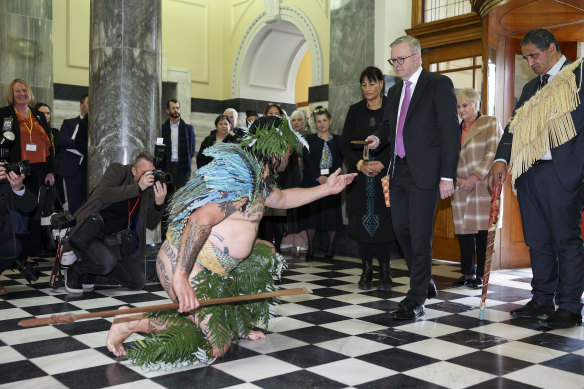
column 70, row 317
column 493, row 218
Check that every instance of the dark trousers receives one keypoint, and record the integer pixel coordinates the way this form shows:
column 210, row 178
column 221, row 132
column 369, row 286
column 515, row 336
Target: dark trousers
column 380, row 249
column 412, row 213
column 103, row 258
column 469, row 244
column 551, row 218
column 34, row 183
column 10, row 247
column 74, row 192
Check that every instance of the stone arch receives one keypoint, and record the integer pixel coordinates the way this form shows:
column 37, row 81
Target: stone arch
column 292, row 15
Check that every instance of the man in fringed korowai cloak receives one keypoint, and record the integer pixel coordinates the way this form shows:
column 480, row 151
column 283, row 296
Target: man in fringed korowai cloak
column 213, row 224
column 544, row 148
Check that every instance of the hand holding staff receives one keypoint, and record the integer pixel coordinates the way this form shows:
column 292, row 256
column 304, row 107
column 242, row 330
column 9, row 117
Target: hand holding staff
column 70, row 317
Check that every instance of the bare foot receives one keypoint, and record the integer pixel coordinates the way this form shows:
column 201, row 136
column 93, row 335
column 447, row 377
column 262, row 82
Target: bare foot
column 256, row 335
column 119, row 331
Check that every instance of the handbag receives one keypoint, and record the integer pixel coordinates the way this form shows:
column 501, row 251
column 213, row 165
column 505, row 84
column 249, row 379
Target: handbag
column 385, row 187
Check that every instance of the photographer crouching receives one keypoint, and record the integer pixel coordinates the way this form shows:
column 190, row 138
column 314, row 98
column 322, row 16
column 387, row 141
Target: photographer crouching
column 15, row 200
column 110, row 234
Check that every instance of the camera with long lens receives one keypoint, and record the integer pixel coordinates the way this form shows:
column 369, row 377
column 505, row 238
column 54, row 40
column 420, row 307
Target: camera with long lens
column 162, row 176
column 159, row 174
column 21, row 167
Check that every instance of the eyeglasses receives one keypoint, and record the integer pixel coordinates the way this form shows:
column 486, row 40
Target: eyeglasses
column 174, row 108
column 400, row 60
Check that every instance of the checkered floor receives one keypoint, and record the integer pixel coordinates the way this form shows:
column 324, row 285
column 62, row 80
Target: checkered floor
column 337, row 337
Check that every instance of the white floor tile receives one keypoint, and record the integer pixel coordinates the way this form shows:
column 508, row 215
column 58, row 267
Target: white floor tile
column 525, row 352
column 74, row 360
column 282, row 323
column 351, row 371
column 438, row 349
column 354, row 311
column 256, row 368
column 30, row 335
column 8, row 354
column 289, row 309
column 506, row 331
column 353, row 326
column 272, row 343
column 353, row 346
column 428, row 328
column 46, row 382
column 547, row 378
column 449, row 375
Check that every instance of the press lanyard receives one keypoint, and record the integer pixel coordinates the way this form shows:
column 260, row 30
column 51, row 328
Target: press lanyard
column 26, row 125
column 132, row 211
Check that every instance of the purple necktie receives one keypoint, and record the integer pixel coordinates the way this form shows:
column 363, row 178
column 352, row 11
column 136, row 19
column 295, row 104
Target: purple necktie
column 399, row 139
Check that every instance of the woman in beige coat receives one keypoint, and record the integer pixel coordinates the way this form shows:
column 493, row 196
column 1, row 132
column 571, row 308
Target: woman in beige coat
column 471, row 201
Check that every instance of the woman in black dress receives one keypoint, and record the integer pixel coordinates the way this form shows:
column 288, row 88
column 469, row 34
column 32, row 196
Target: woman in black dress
column 323, row 159
column 369, row 218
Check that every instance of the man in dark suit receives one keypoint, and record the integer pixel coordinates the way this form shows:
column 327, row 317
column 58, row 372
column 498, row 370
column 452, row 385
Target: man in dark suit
column 179, row 138
column 73, row 165
column 550, row 189
column 421, row 125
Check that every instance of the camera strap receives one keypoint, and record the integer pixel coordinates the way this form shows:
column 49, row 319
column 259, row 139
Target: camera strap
column 132, row 211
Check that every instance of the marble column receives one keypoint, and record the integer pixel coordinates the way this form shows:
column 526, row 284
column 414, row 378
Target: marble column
column 26, row 47
column 125, row 81
column 351, row 51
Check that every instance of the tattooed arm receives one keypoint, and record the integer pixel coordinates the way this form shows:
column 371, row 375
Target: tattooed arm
column 194, row 235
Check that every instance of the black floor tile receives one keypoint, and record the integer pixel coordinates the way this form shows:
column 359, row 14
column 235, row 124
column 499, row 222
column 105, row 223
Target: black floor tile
column 323, row 303
column 314, row 334
column 397, row 359
column 473, row 339
column 329, row 292
column 501, row 383
column 203, row 377
column 490, row 362
column 399, row 381
column 461, row 321
column 48, row 309
column 99, row 376
column 393, row 337
column 85, row 326
column 555, row 342
column 451, row 307
column 319, row 317
column 49, row 347
column 236, row 352
column 18, row 371
column 572, row 363
column 138, row 298
column 300, row 379
column 307, row 356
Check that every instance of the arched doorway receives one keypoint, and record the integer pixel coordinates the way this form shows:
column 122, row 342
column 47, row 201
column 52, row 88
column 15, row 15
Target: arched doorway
column 270, row 53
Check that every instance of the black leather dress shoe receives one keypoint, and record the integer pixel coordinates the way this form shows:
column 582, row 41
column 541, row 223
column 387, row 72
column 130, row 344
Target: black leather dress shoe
column 432, row 291
column 562, row 319
column 408, row 310
column 532, row 309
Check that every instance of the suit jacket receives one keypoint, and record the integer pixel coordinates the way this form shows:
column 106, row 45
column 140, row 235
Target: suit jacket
column 69, row 165
column 117, row 184
column 431, row 132
column 568, row 159
column 311, row 158
column 471, row 208
column 15, row 154
column 186, row 147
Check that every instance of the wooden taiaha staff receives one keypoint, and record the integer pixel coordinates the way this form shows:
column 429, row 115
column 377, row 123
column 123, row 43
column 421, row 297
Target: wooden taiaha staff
column 70, row 317
column 493, row 219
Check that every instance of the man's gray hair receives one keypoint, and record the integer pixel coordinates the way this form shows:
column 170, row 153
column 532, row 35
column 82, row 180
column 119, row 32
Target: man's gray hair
column 410, row 40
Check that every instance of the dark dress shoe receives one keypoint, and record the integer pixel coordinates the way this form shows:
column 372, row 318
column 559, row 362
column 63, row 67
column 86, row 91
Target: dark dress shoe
column 309, row 256
column 462, row 281
column 562, row 319
column 329, row 256
column 384, row 283
column 408, row 310
column 532, row 309
column 432, row 291
column 366, row 280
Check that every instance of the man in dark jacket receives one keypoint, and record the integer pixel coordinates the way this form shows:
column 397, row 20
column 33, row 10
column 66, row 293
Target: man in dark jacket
column 14, row 198
column 179, row 138
column 72, row 140
column 110, row 235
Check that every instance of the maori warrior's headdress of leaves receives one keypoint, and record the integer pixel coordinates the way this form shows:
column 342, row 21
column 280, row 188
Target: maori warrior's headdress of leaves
column 269, row 138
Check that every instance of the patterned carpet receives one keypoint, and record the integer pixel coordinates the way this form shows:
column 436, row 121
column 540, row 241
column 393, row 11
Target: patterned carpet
column 337, row 337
